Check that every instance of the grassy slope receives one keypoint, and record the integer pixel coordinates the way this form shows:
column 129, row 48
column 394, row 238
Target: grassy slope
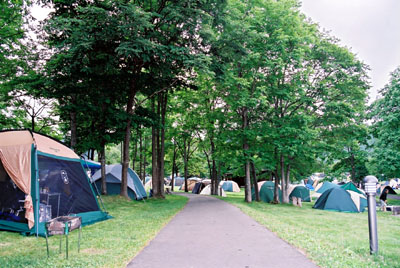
column 112, row 243
column 330, row 239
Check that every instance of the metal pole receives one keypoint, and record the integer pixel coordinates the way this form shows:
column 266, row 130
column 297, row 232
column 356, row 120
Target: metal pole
column 370, row 183
column 372, row 224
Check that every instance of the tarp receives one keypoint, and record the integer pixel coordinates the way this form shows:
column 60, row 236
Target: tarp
column 113, row 179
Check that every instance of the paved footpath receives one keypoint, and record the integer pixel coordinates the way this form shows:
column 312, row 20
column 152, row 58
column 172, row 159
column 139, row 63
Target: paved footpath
column 209, row 233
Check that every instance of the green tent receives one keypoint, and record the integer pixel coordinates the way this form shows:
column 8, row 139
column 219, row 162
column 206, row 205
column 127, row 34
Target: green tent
column 40, row 179
column 337, row 199
column 327, row 185
column 267, row 192
column 301, row 192
column 351, row 187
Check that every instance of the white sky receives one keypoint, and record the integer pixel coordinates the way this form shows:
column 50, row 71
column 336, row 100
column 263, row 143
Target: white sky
column 370, row 28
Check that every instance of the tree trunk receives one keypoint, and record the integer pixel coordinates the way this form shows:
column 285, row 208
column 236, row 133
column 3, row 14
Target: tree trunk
column 73, row 129
column 255, row 184
column 154, row 161
column 103, row 169
column 185, row 164
column 214, row 178
column 353, row 168
column 141, row 156
column 245, row 123
column 276, row 188
column 135, row 150
column 163, row 98
column 173, row 168
column 125, row 150
column 284, row 181
column 144, row 159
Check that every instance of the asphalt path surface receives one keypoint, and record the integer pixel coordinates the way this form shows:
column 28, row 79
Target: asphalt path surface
column 209, row 232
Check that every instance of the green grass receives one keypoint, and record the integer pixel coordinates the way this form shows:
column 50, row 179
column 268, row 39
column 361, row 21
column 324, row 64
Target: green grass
column 330, row 239
column 112, row 243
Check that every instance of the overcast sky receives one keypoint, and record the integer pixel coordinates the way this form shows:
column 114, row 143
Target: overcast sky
column 371, row 28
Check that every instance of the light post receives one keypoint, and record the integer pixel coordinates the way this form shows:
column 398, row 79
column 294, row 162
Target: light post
column 370, row 189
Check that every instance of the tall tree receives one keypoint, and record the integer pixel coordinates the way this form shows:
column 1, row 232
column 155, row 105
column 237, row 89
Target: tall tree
column 385, row 114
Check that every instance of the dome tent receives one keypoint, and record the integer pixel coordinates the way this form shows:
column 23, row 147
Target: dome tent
column 338, row 199
column 207, row 191
column 113, row 179
column 230, row 186
column 266, row 192
column 351, row 187
column 301, row 192
column 325, row 186
column 48, row 176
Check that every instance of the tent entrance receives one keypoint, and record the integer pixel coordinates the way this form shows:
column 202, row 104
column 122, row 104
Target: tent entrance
column 63, row 188
column 11, row 199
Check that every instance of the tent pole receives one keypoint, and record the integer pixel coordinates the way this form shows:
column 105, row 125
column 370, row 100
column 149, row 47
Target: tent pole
column 97, row 189
column 36, row 180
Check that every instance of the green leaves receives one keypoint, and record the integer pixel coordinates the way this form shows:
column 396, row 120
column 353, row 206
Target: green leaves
column 385, row 113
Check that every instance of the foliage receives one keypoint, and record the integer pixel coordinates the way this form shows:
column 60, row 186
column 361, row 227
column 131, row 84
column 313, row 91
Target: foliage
column 385, row 114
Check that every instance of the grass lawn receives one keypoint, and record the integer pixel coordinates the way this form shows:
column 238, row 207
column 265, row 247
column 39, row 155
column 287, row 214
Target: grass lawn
column 111, row 243
column 330, row 239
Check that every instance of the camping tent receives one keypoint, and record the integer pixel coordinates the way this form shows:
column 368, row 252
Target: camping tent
column 382, row 188
column 40, row 179
column 178, row 181
column 301, row 192
column 207, row 191
column 91, row 166
column 327, row 185
column 113, row 180
column 191, row 182
column 351, row 187
column 198, row 187
column 149, row 183
column 230, row 186
column 338, row 199
column 267, row 192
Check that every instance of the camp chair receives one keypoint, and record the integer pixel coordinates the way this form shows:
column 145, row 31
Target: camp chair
column 62, row 226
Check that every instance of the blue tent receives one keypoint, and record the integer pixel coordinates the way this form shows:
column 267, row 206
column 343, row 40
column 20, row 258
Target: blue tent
column 113, row 178
column 91, row 165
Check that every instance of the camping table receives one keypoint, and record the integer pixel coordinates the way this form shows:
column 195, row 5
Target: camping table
column 62, row 226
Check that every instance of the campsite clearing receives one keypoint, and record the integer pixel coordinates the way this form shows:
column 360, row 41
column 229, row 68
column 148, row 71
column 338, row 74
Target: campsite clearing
column 330, row 239
column 111, row 243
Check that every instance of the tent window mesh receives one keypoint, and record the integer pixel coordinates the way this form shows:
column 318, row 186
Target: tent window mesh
column 64, row 188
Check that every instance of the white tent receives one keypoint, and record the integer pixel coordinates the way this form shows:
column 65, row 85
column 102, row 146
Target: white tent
column 207, row 191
